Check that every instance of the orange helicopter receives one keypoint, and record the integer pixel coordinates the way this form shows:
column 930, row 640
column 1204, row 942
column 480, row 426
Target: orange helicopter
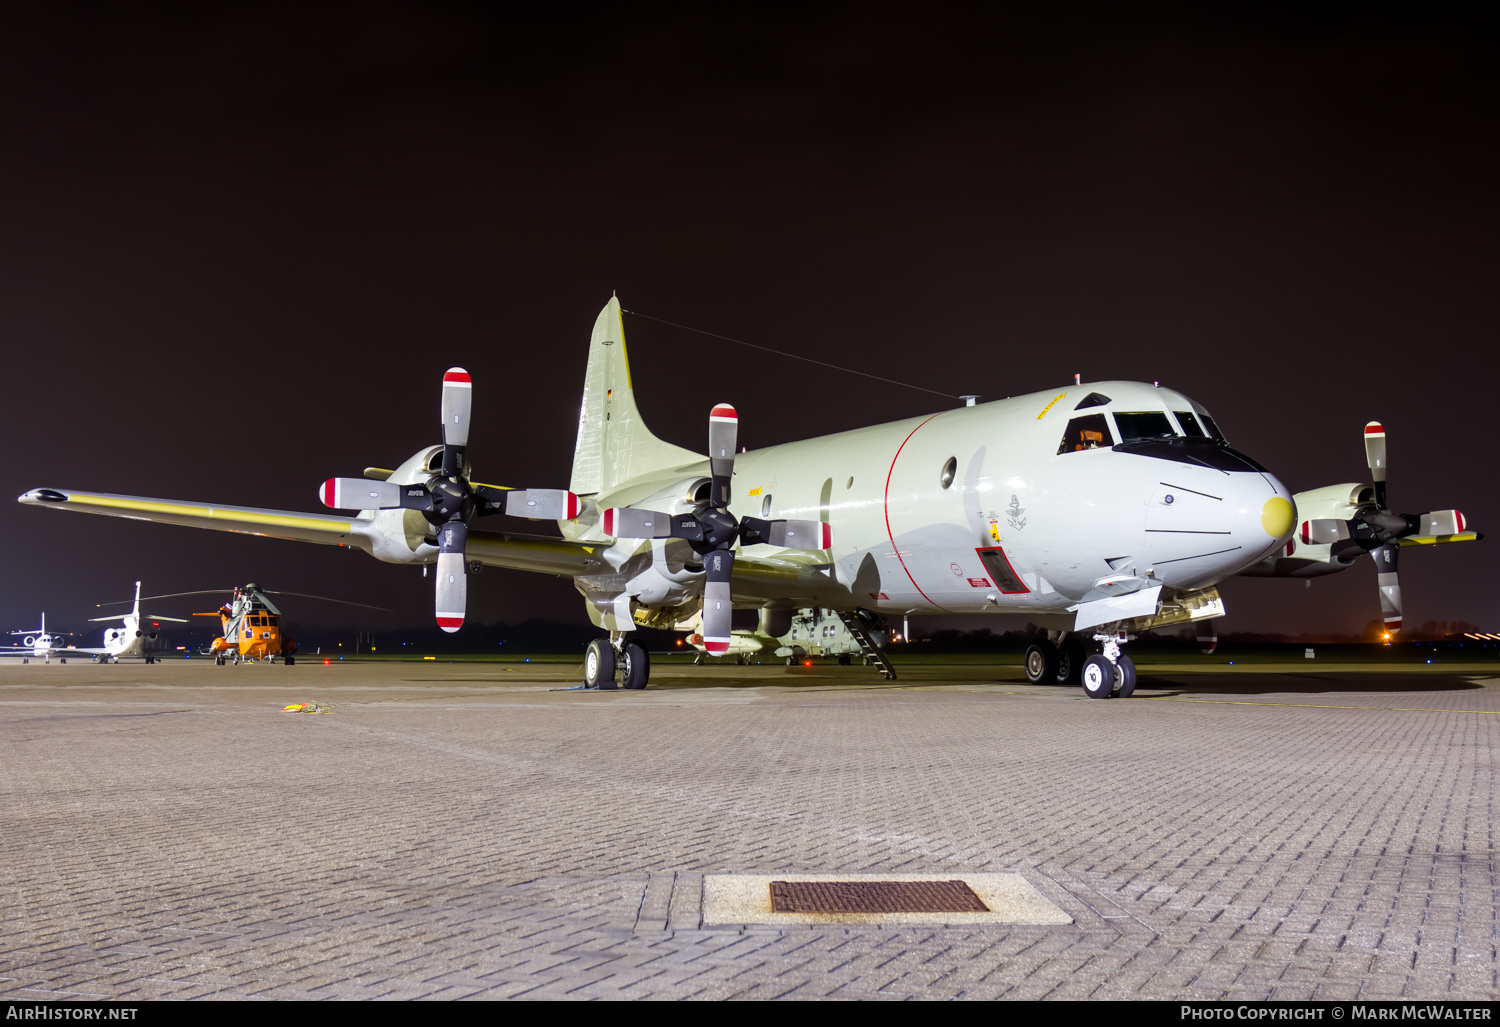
column 252, row 624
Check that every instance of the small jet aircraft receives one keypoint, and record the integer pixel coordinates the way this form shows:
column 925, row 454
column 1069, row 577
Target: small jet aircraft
column 43, row 645
column 134, row 638
column 1096, row 511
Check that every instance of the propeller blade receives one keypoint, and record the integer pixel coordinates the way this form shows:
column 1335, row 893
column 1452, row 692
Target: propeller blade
column 1443, row 522
column 1390, row 586
column 630, row 522
column 535, row 504
column 1375, row 457
column 718, row 608
column 723, row 435
column 1324, row 531
column 787, row 534
column 458, row 395
column 452, row 583
column 368, row 494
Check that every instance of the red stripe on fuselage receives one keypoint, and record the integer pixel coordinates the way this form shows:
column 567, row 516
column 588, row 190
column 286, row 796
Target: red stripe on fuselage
column 886, row 502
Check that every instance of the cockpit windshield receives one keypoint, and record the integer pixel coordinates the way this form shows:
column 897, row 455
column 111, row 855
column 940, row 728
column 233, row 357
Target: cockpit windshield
column 1088, row 432
column 1146, row 424
column 1190, row 424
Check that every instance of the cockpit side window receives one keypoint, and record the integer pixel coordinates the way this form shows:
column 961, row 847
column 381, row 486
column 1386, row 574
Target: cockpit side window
column 1088, row 432
column 1144, row 424
column 1190, row 425
column 1213, row 429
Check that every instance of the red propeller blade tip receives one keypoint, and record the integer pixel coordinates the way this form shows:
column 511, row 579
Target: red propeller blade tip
column 449, row 623
column 716, row 646
column 330, row 493
column 723, row 412
column 609, row 521
column 456, row 376
column 1374, row 428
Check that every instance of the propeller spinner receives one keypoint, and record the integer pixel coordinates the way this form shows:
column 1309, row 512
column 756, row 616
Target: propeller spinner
column 449, row 500
column 712, row 530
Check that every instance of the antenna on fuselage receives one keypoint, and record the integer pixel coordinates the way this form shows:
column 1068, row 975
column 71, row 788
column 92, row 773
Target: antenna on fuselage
column 969, row 400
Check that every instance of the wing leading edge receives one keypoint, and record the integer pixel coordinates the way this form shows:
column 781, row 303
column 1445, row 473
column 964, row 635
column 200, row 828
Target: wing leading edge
column 493, row 548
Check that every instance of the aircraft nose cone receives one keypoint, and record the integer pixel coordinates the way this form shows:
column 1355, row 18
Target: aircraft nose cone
column 1277, row 516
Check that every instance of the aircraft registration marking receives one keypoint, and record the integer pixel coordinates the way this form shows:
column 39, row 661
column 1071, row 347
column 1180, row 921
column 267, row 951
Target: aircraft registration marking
column 1049, row 406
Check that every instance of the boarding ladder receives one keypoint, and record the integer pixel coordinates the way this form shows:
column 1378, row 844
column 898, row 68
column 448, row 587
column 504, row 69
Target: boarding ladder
column 873, row 654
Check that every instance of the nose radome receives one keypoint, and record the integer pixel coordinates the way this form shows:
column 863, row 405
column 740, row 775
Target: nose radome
column 1277, row 517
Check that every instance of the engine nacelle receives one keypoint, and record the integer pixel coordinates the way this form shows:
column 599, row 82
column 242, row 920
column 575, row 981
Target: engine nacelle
column 1320, row 543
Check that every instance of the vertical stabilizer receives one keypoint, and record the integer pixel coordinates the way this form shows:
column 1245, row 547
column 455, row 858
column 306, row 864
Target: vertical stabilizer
column 135, row 611
column 614, row 445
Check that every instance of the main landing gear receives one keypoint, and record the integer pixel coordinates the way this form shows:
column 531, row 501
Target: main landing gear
column 606, row 658
column 1102, row 675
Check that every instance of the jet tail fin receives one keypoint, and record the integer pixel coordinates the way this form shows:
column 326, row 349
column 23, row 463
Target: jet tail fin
column 614, row 444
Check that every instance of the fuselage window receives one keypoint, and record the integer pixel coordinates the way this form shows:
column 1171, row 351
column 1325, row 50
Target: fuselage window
column 275, row 622
column 765, row 505
column 1145, row 424
column 1190, row 424
column 1088, row 432
column 949, row 470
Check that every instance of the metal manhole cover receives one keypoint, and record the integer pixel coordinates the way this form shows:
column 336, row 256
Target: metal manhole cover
column 874, row 897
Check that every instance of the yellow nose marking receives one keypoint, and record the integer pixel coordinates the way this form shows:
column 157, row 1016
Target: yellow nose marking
column 1277, row 516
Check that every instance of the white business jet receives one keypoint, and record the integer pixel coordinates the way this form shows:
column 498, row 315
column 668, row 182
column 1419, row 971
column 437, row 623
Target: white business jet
column 135, row 638
column 43, row 645
column 1097, row 511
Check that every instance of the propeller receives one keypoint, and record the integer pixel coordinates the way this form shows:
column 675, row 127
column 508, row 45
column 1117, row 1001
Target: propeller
column 449, row 500
column 712, row 530
column 1377, row 530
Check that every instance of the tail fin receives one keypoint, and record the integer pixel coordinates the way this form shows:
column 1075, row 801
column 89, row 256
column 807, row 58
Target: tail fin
column 614, row 445
column 135, row 611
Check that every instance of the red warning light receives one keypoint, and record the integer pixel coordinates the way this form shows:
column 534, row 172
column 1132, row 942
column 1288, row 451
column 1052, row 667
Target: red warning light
column 326, row 662
column 807, row 663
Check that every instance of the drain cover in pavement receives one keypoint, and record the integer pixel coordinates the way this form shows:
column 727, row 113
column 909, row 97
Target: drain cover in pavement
column 874, row 897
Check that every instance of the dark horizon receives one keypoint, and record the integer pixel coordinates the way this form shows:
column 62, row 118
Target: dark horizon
column 243, row 244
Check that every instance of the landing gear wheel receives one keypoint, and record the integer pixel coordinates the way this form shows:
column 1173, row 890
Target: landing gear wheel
column 1126, row 673
column 1041, row 663
column 1099, row 677
column 637, row 665
column 791, row 661
column 1070, row 657
column 698, row 660
column 599, row 664
column 844, row 660
column 290, row 660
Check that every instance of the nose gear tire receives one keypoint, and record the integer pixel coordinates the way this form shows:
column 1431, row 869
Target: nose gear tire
column 1125, row 672
column 599, row 664
column 1099, row 677
column 637, row 665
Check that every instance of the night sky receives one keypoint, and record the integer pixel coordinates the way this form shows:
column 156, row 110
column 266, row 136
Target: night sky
column 238, row 248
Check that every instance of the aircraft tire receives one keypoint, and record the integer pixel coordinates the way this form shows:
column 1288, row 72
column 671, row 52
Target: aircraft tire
column 599, row 665
column 637, row 669
column 1126, row 668
column 1040, row 663
column 1070, row 657
column 844, row 660
column 291, row 661
column 1099, row 677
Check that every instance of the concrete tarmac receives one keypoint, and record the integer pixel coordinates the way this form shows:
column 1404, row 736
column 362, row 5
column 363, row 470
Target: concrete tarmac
column 462, row 830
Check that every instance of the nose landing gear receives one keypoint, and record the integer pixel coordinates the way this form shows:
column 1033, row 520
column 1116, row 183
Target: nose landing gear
column 1110, row 672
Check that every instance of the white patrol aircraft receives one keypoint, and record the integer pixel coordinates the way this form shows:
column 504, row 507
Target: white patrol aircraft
column 1096, row 511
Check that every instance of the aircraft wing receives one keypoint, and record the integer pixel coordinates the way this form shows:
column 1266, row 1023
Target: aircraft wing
column 540, row 553
column 287, row 524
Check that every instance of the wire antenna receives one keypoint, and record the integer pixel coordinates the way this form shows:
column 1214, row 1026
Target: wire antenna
column 794, row 356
